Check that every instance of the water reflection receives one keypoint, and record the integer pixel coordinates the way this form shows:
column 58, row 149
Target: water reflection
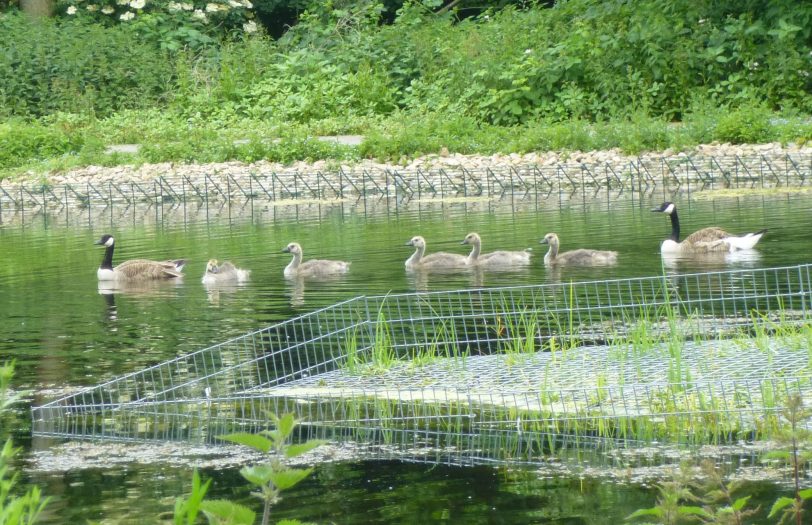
column 151, row 288
column 711, row 261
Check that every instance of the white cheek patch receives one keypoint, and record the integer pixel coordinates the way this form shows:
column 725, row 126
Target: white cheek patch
column 669, row 209
column 110, row 242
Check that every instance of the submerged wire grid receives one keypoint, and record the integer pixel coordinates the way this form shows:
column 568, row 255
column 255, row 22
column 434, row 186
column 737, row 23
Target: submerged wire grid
column 492, row 374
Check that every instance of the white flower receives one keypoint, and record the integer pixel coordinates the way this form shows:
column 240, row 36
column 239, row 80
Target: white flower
column 248, row 4
column 122, row 2
column 92, row 8
column 71, row 10
column 138, row 4
column 129, row 15
column 528, row 51
column 250, row 27
column 702, row 21
column 200, row 15
column 187, row 7
column 234, row 3
column 173, row 6
column 212, row 8
column 108, row 10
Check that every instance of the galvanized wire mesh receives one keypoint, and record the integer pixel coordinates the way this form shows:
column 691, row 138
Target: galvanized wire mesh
column 490, row 375
column 635, row 175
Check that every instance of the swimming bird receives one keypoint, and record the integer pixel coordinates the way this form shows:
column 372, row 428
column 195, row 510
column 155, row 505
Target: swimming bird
column 135, row 269
column 312, row 268
column 223, row 273
column 711, row 239
column 434, row 261
column 494, row 260
column 580, row 257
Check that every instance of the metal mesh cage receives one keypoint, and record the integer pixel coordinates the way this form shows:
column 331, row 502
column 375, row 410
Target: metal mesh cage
column 491, row 374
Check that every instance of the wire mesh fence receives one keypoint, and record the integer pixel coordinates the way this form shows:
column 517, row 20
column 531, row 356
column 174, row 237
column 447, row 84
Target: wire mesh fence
column 636, row 175
column 490, row 375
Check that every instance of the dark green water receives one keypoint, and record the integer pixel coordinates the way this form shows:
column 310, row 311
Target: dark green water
column 62, row 330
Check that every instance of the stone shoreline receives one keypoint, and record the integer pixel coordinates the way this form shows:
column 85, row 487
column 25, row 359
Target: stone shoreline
column 444, row 160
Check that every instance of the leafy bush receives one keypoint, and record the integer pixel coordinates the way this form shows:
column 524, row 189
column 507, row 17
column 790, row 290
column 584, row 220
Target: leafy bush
column 22, row 142
column 77, row 67
column 748, row 124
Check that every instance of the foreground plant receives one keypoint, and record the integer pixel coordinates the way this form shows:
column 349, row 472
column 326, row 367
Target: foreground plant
column 273, row 477
column 14, row 510
column 793, row 436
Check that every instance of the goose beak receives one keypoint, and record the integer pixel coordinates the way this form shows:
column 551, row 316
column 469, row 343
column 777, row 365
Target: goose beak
column 543, row 241
column 98, row 242
column 409, row 243
column 656, row 209
column 464, row 241
column 286, row 250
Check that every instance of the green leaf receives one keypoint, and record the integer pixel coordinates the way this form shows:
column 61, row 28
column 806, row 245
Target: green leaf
column 779, row 504
column 653, row 511
column 693, row 511
column 297, row 450
column 285, row 425
column 288, row 478
column 258, row 475
column 228, row 511
column 254, row 441
column 805, row 494
column 740, row 503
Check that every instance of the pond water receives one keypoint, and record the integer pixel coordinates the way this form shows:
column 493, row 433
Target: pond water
column 63, row 330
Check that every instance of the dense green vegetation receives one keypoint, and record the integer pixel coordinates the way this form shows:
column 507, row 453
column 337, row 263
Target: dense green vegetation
column 412, row 78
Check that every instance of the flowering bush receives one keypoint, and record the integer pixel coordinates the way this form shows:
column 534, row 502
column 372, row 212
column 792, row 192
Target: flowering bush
column 178, row 23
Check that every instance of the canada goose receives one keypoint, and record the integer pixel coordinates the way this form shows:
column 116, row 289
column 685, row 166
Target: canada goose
column 434, row 261
column 580, row 257
column 711, row 239
column 135, row 269
column 493, row 260
column 223, row 273
column 313, row 268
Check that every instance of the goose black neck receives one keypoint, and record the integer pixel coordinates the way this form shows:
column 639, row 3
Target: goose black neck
column 107, row 262
column 674, row 226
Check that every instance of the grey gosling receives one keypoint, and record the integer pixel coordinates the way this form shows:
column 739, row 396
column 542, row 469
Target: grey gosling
column 223, row 273
column 580, row 257
column 494, row 260
column 312, row 268
column 434, row 261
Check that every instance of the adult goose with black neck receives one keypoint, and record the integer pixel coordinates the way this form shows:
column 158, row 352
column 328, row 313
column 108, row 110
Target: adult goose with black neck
column 135, row 269
column 706, row 240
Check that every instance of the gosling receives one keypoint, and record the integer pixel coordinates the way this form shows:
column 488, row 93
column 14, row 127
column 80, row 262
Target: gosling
column 224, row 273
column 580, row 257
column 312, row 268
column 500, row 259
column 434, row 261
